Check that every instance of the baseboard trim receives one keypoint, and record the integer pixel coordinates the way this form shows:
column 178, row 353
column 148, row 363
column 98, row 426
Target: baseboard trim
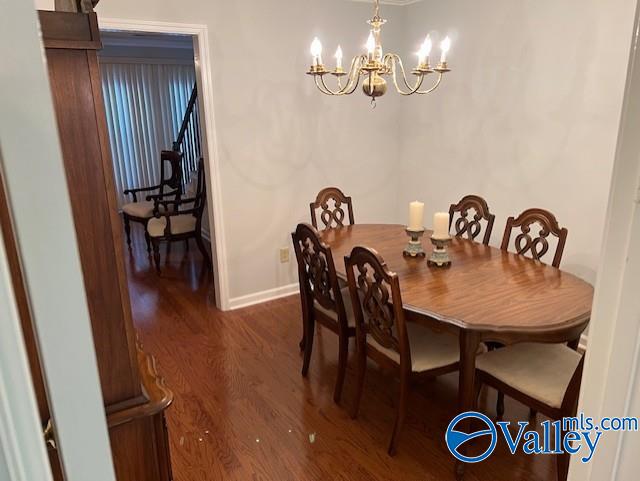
column 263, row 296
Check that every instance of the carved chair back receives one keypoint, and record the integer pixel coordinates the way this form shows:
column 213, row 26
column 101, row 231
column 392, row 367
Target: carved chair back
column 170, row 171
column 331, row 200
column 533, row 244
column 316, row 271
column 377, row 302
column 471, row 227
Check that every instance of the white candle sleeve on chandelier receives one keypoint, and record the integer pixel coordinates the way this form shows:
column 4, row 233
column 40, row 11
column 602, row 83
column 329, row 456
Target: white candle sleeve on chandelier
column 440, row 225
column 445, row 45
column 316, row 51
column 416, row 216
column 339, row 58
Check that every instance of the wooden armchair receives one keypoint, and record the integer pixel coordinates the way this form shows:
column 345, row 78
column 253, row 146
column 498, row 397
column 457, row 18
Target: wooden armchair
column 382, row 333
column 322, row 298
column 170, row 187
column 330, row 200
column 536, row 246
column 471, row 228
column 545, row 377
column 179, row 219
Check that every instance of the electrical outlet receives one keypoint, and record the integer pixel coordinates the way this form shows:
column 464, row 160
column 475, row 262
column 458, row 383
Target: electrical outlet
column 284, row 255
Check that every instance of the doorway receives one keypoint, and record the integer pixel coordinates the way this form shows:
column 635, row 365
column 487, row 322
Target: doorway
column 175, row 55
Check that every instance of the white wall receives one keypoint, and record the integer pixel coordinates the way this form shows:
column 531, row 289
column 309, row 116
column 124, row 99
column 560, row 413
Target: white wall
column 529, row 115
column 615, row 323
column 280, row 141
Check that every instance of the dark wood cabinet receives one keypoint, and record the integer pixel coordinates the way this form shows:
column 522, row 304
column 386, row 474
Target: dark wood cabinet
column 135, row 396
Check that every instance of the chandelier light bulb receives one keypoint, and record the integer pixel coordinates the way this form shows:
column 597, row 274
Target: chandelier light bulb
column 316, row 51
column 425, row 50
column 445, row 45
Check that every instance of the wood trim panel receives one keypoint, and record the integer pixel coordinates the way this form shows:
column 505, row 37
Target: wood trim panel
column 134, row 394
column 67, row 30
column 73, row 97
column 156, row 398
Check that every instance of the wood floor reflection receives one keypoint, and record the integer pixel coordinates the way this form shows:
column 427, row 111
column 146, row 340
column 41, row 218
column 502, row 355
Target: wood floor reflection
column 243, row 412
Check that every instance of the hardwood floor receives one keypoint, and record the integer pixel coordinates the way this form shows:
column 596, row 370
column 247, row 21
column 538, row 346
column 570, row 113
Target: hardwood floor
column 242, row 411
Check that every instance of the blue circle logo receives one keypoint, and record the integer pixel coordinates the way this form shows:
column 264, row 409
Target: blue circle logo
column 456, row 439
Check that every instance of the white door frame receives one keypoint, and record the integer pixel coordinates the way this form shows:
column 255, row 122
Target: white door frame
column 22, row 452
column 611, row 373
column 38, row 198
column 203, row 64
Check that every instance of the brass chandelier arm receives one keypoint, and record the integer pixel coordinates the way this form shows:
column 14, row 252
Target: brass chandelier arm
column 321, row 86
column 435, row 85
column 392, row 61
column 352, row 83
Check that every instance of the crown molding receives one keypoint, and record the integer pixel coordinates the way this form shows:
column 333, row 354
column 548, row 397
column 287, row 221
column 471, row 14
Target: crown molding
column 399, row 3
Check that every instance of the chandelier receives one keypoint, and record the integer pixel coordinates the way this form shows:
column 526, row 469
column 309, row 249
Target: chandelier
column 375, row 66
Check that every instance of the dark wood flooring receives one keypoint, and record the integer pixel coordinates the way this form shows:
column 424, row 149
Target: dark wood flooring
column 242, row 411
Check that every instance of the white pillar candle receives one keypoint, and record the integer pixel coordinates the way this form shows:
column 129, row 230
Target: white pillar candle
column 441, row 225
column 416, row 215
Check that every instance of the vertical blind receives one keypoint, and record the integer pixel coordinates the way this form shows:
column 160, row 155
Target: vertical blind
column 145, row 104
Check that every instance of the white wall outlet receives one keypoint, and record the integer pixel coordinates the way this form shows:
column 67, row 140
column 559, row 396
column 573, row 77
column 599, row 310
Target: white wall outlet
column 284, row 255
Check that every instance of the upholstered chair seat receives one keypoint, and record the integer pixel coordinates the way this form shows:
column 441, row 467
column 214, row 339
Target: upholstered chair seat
column 180, row 224
column 540, row 371
column 346, row 299
column 429, row 349
column 142, row 210
column 546, row 377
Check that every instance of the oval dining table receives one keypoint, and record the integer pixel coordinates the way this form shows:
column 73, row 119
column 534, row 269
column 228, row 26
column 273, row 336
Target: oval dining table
column 485, row 295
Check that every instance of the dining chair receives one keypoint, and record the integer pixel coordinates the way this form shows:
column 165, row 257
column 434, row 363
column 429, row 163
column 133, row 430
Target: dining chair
column 529, row 243
column 545, row 377
column 415, row 352
column 322, row 299
column 471, row 227
column 330, row 201
column 170, row 187
column 179, row 219
column 536, row 246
